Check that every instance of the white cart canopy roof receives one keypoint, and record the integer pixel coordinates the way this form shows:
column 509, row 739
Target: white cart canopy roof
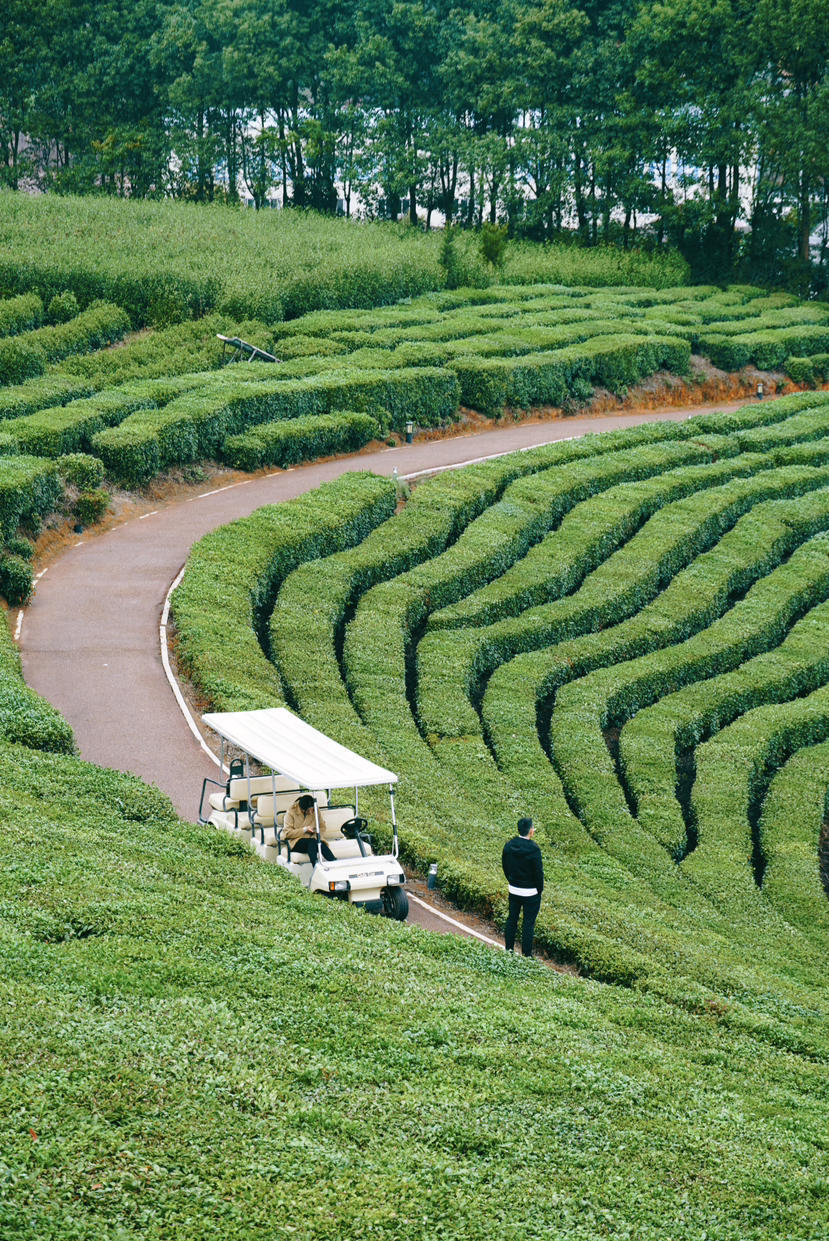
column 282, row 741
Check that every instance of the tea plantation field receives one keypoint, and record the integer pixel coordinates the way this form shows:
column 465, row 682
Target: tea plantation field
column 193, row 1047
column 624, row 636
column 87, row 404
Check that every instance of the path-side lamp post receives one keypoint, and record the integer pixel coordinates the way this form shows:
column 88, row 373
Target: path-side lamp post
column 761, row 392
column 409, row 431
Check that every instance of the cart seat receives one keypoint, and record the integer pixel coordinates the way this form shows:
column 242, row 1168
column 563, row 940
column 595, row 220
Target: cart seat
column 347, row 848
column 237, row 791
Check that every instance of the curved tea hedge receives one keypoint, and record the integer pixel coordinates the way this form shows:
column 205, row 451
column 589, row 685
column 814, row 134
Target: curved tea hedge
column 492, row 639
column 511, row 347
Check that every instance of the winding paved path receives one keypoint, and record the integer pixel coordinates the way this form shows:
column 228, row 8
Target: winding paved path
column 90, row 638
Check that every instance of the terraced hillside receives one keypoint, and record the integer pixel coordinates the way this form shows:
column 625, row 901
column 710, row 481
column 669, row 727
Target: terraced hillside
column 624, row 636
column 150, row 402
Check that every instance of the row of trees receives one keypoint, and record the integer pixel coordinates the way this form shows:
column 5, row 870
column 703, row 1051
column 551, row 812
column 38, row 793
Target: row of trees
column 548, row 115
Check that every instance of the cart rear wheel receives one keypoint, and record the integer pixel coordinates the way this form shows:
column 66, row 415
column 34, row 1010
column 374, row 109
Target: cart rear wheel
column 395, row 904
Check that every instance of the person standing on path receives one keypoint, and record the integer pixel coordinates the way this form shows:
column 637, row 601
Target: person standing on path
column 524, row 869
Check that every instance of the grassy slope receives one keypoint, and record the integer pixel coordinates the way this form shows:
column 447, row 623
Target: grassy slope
column 160, row 258
column 196, row 1048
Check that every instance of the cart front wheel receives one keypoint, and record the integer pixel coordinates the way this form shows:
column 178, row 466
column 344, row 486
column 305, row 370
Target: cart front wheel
column 395, row 904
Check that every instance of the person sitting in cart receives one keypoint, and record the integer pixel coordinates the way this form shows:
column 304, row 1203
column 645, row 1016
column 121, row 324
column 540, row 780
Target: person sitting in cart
column 299, row 830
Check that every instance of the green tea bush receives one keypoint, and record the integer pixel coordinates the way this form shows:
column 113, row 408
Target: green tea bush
column 652, row 742
column 91, row 506
column 21, row 358
column 300, row 439
column 62, row 308
column 800, row 370
column 20, row 314
column 42, row 393
column 734, row 771
column 29, row 487
column 16, row 579
column 18, row 546
column 71, row 428
column 245, row 564
column 195, row 425
column 93, row 329
column 790, row 823
column 79, row 469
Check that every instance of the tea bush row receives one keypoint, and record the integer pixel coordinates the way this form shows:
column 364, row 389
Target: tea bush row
column 300, row 439
column 27, row 356
column 734, row 771
column 608, row 698
column 233, row 574
column 20, row 314
column 787, row 834
column 196, row 425
column 29, row 488
column 453, row 665
column 657, row 738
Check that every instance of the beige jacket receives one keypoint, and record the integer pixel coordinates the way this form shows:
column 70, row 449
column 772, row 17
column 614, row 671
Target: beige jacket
column 296, row 823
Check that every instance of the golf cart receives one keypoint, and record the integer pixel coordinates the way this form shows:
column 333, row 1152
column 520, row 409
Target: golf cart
column 302, row 760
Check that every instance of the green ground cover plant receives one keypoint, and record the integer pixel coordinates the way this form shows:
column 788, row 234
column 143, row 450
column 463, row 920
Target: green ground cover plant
column 133, row 1046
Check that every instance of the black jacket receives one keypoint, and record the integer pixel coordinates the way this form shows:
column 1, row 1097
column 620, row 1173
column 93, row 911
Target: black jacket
column 521, row 861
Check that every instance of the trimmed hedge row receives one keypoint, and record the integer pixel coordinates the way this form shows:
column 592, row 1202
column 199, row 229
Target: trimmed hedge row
column 659, row 738
column 92, row 329
column 70, row 428
column 453, row 666
column 25, row 717
column 300, row 439
column 45, row 392
column 491, row 384
column 197, row 424
column 520, row 691
column 788, row 833
column 20, row 314
column 26, row 356
column 767, row 350
column 609, row 697
column 534, row 581
column 29, row 487
column 234, row 573
column 734, row 771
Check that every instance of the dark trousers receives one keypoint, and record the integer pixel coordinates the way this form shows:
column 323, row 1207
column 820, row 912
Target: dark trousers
column 309, row 846
column 531, row 906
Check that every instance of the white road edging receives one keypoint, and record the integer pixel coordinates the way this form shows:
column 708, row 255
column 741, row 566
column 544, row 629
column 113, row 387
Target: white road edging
column 168, row 671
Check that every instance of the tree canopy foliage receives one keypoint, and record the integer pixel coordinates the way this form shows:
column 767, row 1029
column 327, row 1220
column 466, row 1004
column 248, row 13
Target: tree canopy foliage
column 701, row 120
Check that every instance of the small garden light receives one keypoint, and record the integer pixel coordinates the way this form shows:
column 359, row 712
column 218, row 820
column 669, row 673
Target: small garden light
column 409, row 431
column 432, row 881
column 760, row 392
